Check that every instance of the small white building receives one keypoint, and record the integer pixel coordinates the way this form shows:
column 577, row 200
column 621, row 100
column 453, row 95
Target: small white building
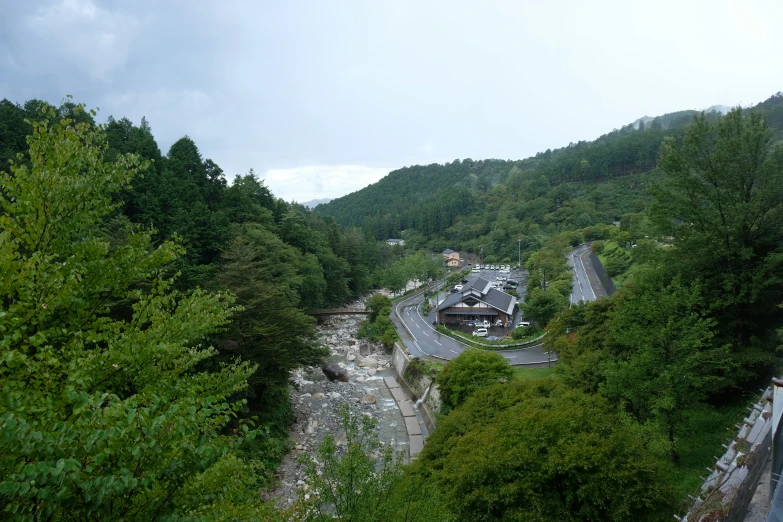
column 395, row 242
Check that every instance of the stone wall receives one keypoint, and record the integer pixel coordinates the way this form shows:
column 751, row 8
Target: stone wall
column 417, row 387
column 729, row 488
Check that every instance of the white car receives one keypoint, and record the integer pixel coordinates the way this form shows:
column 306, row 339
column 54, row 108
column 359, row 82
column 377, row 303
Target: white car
column 480, row 332
column 477, row 269
column 523, row 324
column 483, row 324
column 458, row 287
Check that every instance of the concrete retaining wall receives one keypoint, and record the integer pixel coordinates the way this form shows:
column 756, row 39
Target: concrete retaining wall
column 416, row 388
column 729, row 488
column 598, row 268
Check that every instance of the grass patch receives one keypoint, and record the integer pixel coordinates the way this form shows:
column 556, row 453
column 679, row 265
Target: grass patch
column 617, row 263
column 434, row 365
column 526, row 374
column 700, row 442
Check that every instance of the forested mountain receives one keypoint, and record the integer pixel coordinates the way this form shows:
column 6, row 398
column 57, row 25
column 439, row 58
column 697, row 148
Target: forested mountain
column 489, row 204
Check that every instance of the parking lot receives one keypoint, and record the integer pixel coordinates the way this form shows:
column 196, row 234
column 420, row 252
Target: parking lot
column 520, row 276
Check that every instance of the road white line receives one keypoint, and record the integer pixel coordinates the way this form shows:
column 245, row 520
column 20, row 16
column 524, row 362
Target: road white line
column 425, row 333
column 437, row 343
column 454, row 351
column 585, row 272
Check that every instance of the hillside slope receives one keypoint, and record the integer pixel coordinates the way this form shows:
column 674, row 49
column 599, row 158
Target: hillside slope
column 489, row 203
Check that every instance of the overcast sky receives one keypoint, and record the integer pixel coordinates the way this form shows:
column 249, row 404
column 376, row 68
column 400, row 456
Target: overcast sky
column 321, row 98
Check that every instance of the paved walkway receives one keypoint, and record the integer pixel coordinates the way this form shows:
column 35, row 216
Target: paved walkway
column 415, row 438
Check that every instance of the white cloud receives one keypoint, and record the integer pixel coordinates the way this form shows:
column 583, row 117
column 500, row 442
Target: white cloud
column 321, row 181
column 79, row 34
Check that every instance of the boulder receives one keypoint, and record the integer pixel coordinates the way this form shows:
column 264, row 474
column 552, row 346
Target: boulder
column 367, row 362
column 369, row 398
column 371, row 372
column 317, row 395
column 365, row 348
column 335, row 373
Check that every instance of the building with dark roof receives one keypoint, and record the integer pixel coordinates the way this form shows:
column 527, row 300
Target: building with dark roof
column 477, row 301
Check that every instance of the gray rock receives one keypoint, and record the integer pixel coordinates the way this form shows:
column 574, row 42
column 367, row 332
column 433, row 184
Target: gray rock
column 369, row 398
column 335, row 373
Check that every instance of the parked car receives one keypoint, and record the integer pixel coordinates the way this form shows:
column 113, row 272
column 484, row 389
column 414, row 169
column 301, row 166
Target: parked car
column 453, row 290
column 484, row 323
column 523, row 324
column 464, row 281
column 476, row 270
column 509, row 287
column 457, row 287
column 493, row 338
column 480, row 332
column 511, row 282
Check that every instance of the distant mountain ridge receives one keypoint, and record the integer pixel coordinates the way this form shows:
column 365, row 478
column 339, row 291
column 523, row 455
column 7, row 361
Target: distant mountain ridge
column 315, row 202
column 430, row 199
column 674, row 119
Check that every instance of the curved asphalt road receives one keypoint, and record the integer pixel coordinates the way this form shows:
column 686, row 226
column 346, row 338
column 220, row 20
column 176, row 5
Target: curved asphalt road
column 426, row 341
column 582, row 290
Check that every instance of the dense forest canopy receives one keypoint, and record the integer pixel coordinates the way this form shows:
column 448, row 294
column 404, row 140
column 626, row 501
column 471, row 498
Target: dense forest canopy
column 124, row 264
column 486, row 205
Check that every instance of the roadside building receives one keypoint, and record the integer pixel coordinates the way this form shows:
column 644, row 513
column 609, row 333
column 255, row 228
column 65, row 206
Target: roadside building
column 477, row 301
column 451, row 257
column 395, row 242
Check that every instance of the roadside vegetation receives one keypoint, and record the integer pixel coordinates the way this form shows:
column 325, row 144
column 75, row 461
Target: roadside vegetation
column 523, row 335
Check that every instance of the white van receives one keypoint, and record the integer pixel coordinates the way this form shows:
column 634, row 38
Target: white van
column 523, row 324
column 481, row 332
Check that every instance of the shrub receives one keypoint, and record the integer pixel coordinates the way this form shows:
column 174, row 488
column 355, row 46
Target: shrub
column 472, row 370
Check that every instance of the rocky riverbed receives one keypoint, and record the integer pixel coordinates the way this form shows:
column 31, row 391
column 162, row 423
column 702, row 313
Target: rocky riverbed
column 317, row 400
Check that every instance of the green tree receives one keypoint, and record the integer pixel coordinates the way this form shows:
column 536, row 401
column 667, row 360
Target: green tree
column 722, row 202
column 364, row 481
column 541, row 451
column 666, row 360
column 104, row 414
column 270, row 331
column 615, row 265
column 471, row 370
column 542, row 305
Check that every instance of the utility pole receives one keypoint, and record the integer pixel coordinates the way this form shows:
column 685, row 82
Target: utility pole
column 519, row 253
